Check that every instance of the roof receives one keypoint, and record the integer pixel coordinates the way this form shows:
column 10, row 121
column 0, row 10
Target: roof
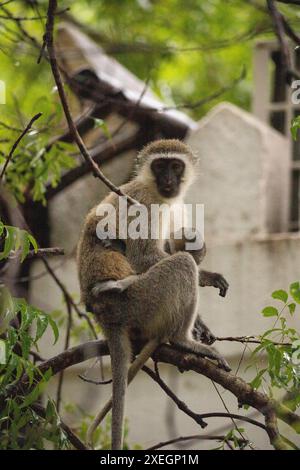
column 77, row 52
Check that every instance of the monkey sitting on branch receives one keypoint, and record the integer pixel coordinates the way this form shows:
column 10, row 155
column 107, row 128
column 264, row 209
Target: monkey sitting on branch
column 148, row 289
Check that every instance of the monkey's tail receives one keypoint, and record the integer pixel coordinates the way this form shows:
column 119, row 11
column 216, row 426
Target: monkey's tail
column 116, row 402
column 119, row 347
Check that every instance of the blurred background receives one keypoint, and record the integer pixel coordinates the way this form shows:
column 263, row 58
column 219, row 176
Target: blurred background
column 210, row 73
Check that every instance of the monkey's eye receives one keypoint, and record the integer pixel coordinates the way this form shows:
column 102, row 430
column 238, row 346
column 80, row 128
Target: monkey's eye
column 158, row 166
column 177, row 167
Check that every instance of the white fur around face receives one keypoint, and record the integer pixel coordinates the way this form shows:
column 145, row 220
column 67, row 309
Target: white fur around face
column 146, row 176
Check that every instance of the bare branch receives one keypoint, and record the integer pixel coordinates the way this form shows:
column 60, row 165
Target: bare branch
column 58, row 80
column 184, row 361
column 54, row 251
column 68, row 296
column 279, row 28
column 241, row 442
column 291, row 2
column 95, row 382
column 248, row 339
column 180, row 404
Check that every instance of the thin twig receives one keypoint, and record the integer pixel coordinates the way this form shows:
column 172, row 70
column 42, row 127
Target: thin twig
column 180, row 404
column 53, row 251
column 15, row 145
column 67, row 343
column 200, row 437
column 249, row 340
column 230, row 414
column 95, row 382
column 69, row 297
column 73, row 130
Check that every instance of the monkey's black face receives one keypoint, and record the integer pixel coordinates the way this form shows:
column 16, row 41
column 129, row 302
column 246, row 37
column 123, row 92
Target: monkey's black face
column 168, row 174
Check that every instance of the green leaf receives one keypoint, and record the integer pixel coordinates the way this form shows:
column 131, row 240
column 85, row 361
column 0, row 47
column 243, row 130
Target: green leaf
column 270, row 312
column 257, row 380
column 54, row 329
column 25, row 247
column 295, row 291
column 32, row 397
column 280, row 295
column 292, row 307
column 99, row 123
column 295, row 125
column 42, row 323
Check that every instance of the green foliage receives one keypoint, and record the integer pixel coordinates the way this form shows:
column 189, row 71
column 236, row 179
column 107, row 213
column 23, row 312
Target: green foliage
column 102, row 433
column 22, row 427
column 281, row 346
column 35, row 165
column 234, row 439
column 16, row 240
column 295, row 126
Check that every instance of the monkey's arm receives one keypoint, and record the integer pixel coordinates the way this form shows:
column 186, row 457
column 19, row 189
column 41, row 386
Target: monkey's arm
column 207, row 278
column 143, row 254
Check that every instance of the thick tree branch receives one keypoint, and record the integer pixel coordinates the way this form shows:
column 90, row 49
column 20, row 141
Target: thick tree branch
column 183, row 361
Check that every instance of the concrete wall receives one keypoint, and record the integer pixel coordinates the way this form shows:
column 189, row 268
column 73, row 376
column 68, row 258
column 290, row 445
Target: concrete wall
column 244, row 173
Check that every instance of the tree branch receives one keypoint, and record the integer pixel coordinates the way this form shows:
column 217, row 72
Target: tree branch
column 183, row 361
column 200, row 437
column 279, row 29
column 58, row 80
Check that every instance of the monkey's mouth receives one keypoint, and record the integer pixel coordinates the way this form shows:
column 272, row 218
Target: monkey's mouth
column 168, row 191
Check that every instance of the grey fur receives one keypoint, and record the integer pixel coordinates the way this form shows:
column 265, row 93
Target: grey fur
column 157, row 299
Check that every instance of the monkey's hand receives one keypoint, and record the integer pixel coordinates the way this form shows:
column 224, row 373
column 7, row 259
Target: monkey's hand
column 206, row 278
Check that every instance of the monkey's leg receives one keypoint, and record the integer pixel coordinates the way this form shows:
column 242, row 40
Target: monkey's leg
column 152, row 304
column 185, row 341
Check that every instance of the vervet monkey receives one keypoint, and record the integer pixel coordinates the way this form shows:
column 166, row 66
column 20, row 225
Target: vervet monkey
column 147, row 292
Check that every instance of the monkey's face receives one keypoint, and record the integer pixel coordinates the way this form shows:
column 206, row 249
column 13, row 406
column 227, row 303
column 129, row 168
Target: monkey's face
column 168, row 173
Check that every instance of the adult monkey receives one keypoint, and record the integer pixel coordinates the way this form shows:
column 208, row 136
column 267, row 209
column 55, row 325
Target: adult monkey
column 147, row 292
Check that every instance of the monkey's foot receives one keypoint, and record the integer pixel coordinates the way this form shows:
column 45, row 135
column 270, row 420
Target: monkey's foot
column 203, row 334
column 223, row 364
column 207, row 337
column 107, row 286
column 203, row 351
